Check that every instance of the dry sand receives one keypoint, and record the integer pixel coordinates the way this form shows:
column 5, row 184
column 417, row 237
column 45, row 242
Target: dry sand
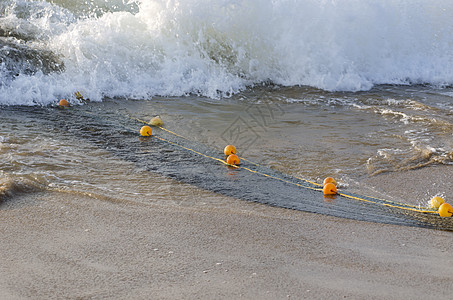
column 59, row 246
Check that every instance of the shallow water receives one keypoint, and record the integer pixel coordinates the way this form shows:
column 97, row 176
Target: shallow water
column 95, row 148
column 367, row 92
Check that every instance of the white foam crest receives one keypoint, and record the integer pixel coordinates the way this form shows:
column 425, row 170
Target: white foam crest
column 219, row 47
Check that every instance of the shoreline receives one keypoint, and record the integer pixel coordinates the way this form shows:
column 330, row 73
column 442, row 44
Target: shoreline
column 416, row 186
column 56, row 245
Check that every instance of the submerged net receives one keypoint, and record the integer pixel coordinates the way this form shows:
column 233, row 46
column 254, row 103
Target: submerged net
column 184, row 160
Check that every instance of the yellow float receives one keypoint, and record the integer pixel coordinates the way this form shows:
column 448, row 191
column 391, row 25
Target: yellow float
column 445, row 210
column 156, row 121
column 329, row 189
column 146, row 131
column 329, row 180
column 436, row 201
column 63, row 103
column 230, row 149
column 232, row 159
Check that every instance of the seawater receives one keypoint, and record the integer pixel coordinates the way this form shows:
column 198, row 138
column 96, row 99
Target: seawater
column 142, row 49
column 311, row 89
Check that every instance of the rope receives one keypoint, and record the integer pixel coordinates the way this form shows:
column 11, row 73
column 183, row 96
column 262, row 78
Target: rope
column 377, row 201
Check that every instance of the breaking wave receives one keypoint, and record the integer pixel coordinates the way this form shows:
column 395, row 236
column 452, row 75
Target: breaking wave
column 139, row 49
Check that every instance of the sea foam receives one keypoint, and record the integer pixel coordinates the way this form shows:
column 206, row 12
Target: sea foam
column 215, row 48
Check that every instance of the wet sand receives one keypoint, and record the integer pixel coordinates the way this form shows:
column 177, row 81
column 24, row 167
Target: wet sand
column 56, row 245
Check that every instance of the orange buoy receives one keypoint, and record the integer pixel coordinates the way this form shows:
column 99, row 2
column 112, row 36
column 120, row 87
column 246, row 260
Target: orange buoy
column 146, row 131
column 329, row 180
column 445, row 210
column 232, row 159
column 63, row 103
column 230, row 149
column 330, row 189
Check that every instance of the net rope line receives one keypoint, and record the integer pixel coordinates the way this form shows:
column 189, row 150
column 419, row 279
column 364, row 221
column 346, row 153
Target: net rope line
column 383, row 202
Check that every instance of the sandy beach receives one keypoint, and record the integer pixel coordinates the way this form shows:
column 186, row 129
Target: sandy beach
column 90, row 209
column 57, row 246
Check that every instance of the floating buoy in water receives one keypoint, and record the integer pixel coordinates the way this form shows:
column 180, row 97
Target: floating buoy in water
column 156, row 121
column 329, row 180
column 232, row 159
column 146, row 131
column 436, row 201
column 63, row 103
column 445, row 210
column 230, row 149
column 329, row 189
